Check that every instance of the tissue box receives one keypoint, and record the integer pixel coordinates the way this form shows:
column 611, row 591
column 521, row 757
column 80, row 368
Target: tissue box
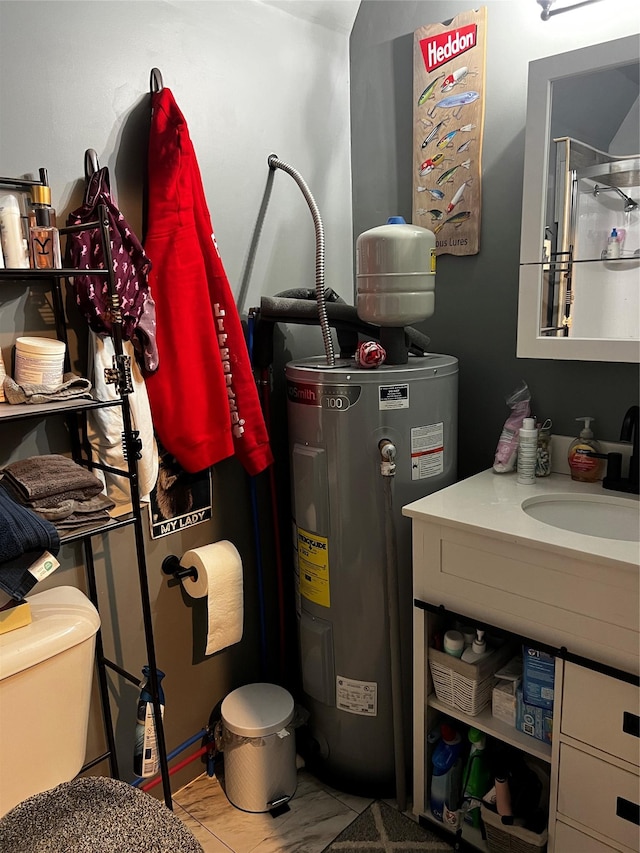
column 503, row 702
column 538, row 672
column 533, row 720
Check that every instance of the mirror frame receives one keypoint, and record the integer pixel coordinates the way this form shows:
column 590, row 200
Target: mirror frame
column 542, row 74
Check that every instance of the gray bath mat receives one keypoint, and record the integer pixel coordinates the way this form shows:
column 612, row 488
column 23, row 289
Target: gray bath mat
column 94, row 815
column 383, row 829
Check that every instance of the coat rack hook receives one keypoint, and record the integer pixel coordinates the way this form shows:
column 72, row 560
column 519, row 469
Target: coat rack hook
column 155, row 81
column 91, row 164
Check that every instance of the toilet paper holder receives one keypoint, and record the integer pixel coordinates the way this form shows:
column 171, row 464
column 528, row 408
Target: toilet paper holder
column 171, row 566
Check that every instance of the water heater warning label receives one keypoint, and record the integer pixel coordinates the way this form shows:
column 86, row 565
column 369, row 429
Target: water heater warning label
column 357, row 697
column 313, row 567
column 393, row 397
column 427, row 451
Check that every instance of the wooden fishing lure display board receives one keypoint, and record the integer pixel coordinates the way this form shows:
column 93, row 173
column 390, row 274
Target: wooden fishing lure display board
column 448, row 119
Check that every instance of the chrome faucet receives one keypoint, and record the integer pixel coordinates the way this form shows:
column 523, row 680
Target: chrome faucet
column 628, row 432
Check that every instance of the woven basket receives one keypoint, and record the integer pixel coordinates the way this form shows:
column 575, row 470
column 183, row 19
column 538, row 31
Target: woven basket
column 510, row 839
column 466, row 686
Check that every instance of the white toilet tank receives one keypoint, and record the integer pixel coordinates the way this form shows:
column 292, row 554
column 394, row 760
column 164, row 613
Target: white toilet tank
column 46, row 672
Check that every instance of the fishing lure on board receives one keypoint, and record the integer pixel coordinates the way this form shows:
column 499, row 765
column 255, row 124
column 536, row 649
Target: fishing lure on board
column 456, row 220
column 453, row 79
column 434, row 132
column 465, row 146
column 433, row 213
column 434, row 193
column 455, row 102
column 448, row 175
column 430, row 164
column 458, row 195
column 428, row 92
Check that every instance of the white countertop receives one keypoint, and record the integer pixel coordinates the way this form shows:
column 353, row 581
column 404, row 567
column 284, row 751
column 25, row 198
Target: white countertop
column 490, row 504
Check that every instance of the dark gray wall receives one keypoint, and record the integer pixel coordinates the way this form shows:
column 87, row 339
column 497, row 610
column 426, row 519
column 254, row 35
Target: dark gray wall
column 477, row 296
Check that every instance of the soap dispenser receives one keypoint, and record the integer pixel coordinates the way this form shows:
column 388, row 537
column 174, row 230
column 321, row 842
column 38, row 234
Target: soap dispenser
column 478, row 650
column 584, row 466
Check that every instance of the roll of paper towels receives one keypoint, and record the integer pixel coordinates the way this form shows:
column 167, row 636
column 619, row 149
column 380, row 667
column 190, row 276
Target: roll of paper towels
column 219, row 568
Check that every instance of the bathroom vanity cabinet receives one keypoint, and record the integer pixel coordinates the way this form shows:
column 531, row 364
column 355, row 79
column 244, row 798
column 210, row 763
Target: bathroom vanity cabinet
column 74, row 413
column 478, row 555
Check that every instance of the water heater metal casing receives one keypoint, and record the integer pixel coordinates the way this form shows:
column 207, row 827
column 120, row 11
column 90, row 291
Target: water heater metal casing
column 336, row 418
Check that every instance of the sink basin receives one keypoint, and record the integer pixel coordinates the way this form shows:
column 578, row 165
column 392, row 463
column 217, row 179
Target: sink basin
column 605, row 516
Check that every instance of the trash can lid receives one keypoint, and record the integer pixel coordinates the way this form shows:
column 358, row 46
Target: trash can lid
column 257, row 710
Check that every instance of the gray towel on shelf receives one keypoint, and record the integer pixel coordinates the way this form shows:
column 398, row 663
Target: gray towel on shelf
column 71, row 387
column 39, row 477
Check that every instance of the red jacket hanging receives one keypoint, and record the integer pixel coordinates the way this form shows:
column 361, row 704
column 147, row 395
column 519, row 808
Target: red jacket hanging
column 203, row 397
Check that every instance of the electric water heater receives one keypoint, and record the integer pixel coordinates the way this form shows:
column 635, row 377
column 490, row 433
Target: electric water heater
column 337, row 417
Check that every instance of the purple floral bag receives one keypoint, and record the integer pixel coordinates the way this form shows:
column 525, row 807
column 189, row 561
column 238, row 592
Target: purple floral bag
column 130, row 266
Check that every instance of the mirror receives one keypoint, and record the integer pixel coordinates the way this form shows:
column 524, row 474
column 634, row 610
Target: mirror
column 579, row 294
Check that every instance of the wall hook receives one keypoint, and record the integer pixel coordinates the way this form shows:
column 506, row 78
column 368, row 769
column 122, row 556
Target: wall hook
column 155, row 80
column 91, row 164
column 171, row 566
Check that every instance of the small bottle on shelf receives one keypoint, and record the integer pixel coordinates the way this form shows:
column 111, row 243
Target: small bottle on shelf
column 14, row 246
column 613, row 245
column 44, row 239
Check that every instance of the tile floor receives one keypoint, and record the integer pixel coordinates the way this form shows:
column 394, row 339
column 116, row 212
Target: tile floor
column 317, row 814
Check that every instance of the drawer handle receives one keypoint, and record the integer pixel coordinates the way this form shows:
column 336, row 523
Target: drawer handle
column 628, row 810
column 631, row 724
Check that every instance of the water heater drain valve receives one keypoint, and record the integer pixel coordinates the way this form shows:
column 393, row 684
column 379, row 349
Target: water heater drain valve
column 388, row 457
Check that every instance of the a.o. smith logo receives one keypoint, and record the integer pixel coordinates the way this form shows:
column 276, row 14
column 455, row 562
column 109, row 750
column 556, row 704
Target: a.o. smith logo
column 441, row 48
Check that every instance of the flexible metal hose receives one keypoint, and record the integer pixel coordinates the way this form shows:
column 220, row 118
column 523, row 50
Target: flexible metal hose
column 275, row 163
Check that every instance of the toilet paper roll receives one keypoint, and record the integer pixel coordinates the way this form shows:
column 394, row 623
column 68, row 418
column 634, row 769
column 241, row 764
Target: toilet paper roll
column 219, row 568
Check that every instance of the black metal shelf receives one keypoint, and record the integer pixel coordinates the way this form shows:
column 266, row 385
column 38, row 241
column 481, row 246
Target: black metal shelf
column 44, row 276
column 25, row 411
column 70, row 408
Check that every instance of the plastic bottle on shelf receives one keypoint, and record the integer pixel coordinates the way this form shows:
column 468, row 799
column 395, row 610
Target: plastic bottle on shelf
column 446, row 779
column 453, row 643
column 527, row 452
column 479, row 649
column 613, row 245
column 477, row 777
column 14, row 245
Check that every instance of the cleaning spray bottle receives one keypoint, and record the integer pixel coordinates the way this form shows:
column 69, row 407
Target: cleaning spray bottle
column 446, row 779
column 585, row 467
column 477, row 778
column 146, row 761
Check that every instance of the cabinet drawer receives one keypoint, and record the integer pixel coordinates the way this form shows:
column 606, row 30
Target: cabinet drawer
column 599, row 795
column 601, row 711
column 569, row 840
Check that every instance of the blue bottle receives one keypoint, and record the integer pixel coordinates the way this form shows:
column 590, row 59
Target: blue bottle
column 446, row 776
column 146, row 761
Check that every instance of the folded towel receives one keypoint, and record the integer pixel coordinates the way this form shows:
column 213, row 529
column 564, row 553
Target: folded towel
column 64, row 508
column 71, row 387
column 39, row 477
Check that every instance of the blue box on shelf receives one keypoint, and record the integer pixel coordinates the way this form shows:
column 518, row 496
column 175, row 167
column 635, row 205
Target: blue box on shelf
column 538, row 672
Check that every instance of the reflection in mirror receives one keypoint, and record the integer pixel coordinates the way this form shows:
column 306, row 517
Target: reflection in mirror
column 586, row 253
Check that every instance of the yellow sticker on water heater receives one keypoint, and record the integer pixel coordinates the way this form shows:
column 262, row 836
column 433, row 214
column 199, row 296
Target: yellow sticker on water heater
column 313, row 565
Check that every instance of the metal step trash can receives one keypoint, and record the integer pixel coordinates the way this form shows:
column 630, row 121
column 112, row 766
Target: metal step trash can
column 259, row 747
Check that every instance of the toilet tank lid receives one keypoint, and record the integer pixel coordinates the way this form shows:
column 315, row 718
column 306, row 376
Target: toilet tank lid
column 62, row 617
column 257, row 710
